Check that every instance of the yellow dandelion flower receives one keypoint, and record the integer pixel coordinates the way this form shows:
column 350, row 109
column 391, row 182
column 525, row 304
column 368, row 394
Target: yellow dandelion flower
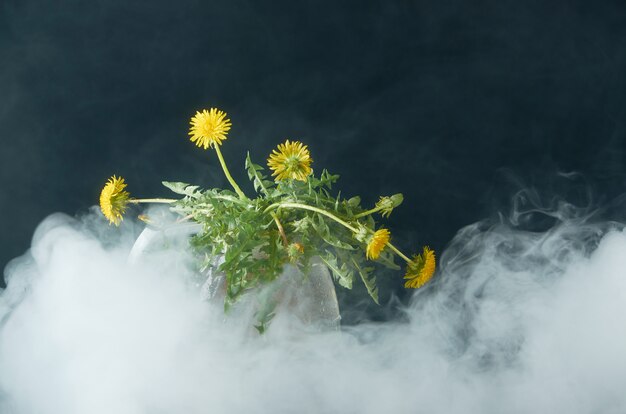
column 113, row 200
column 209, row 128
column 421, row 269
column 377, row 244
column 290, row 160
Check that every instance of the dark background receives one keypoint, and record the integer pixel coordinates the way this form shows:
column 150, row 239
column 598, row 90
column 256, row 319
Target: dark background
column 458, row 104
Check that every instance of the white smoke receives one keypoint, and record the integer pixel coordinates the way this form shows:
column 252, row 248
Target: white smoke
column 515, row 322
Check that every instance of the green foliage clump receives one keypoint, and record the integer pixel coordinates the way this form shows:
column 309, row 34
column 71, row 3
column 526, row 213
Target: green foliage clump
column 289, row 221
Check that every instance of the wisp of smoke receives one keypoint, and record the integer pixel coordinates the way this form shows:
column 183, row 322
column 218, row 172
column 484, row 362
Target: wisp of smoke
column 515, row 322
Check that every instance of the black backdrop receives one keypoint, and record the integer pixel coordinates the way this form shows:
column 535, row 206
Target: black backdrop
column 457, row 104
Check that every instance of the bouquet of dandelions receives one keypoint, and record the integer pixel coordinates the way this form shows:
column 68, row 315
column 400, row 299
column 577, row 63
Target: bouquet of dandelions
column 291, row 219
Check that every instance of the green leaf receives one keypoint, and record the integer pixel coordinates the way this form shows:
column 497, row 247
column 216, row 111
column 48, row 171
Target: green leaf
column 327, row 179
column 302, row 225
column 176, row 187
column 258, row 179
column 354, row 201
column 387, row 259
column 183, row 188
column 342, row 274
column 368, row 280
column 329, row 237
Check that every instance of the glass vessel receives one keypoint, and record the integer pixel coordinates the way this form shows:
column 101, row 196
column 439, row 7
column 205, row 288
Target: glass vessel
column 310, row 298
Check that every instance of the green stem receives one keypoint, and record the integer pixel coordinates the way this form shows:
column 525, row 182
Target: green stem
column 398, row 252
column 227, row 173
column 151, row 200
column 315, row 209
column 368, row 212
column 281, row 230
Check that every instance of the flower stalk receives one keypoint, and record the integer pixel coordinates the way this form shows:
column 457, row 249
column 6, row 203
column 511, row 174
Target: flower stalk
column 367, row 213
column 229, row 177
column 385, row 205
column 398, row 252
column 281, row 230
column 151, row 200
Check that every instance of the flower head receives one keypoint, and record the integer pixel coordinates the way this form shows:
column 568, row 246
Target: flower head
column 377, row 244
column 421, row 269
column 113, row 200
column 387, row 204
column 209, row 128
column 290, row 160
